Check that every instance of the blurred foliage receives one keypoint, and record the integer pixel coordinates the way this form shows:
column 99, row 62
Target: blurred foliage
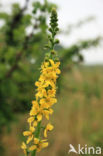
column 22, row 39
column 71, row 27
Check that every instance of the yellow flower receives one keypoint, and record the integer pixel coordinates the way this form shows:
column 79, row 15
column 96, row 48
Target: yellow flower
column 51, row 83
column 49, row 127
column 47, row 113
column 35, row 123
column 40, row 85
column 38, row 145
column 30, row 120
column 40, row 89
column 39, row 116
column 43, row 111
column 29, row 134
column 34, row 103
column 51, row 92
column 37, row 110
column 39, row 113
column 55, row 66
column 44, row 65
column 41, row 93
column 24, row 147
column 32, row 148
column 48, row 101
column 42, row 144
column 34, row 109
column 45, row 98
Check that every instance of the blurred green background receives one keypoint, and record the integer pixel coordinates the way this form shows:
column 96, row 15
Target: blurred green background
column 78, row 113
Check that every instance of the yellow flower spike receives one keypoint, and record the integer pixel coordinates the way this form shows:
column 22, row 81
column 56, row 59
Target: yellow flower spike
column 24, row 147
column 44, row 97
column 49, row 127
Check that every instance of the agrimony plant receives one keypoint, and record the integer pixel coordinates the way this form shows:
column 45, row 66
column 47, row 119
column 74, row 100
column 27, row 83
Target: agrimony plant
column 45, row 96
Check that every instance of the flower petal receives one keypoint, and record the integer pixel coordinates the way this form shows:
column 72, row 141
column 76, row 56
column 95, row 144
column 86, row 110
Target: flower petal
column 45, row 144
column 36, row 140
column 23, row 146
column 33, row 147
column 45, row 133
column 30, row 120
column 30, row 138
column 39, row 117
column 26, row 133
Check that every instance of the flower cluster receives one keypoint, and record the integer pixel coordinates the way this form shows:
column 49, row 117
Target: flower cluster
column 42, row 107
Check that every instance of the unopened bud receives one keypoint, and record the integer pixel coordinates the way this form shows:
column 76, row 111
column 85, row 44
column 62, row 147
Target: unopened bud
column 53, row 52
column 56, row 41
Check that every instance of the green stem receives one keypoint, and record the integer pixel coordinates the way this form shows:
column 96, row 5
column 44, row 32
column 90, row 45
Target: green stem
column 37, row 133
